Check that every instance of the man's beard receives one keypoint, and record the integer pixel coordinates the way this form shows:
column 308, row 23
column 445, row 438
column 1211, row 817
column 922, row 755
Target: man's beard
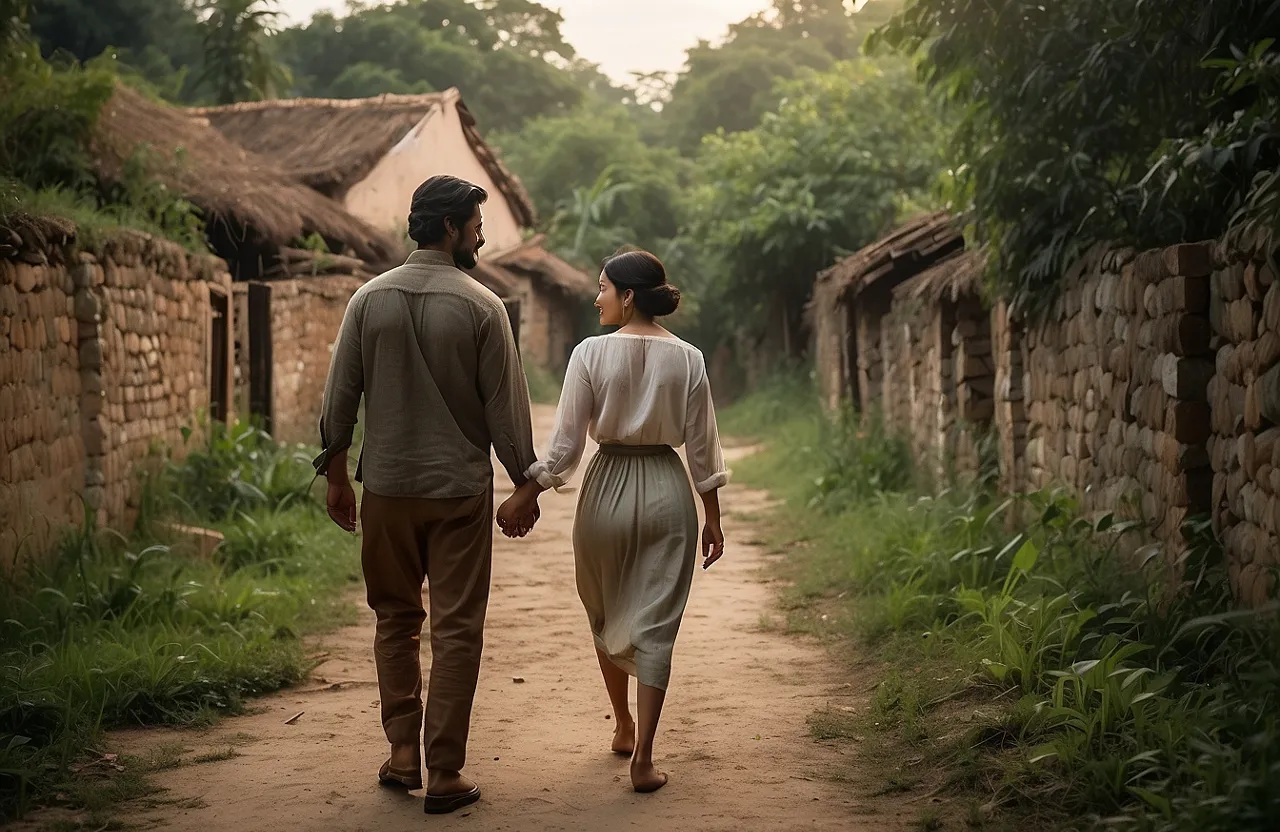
column 464, row 258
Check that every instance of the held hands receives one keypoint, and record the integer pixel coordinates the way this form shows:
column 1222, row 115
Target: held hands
column 518, row 515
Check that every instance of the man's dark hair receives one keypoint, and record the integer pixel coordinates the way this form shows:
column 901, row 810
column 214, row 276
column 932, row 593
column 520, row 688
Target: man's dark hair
column 438, row 199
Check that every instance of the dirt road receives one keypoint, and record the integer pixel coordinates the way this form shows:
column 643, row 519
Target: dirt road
column 733, row 738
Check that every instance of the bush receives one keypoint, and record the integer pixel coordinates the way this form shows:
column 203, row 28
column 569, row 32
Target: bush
column 235, row 468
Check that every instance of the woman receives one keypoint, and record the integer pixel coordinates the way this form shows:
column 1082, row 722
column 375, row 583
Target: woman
column 640, row 392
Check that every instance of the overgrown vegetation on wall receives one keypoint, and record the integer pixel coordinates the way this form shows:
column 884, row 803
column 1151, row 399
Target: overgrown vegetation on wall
column 1141, row 123
column 48, row 112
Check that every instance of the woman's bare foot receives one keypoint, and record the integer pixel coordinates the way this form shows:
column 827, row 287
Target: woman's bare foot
column 645, row 778
column 624, row 738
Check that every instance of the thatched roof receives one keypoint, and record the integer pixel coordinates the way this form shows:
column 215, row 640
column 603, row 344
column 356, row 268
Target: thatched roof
column 227, row 183
column 544, row 267
column 951, row 278
column 333, row 144
column 501, row 273
column 914, row 246
column 494, row 278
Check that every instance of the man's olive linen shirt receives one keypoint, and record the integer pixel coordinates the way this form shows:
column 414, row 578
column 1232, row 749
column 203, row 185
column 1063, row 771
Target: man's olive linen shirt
column 432, row 352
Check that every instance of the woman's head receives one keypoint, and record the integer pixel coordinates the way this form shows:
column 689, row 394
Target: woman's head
column 632, row 283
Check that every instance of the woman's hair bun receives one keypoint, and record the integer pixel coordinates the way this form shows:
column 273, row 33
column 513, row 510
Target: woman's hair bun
column 646, row 277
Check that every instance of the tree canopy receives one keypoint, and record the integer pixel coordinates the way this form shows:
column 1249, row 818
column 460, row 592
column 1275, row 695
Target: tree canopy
column 731, row 85
column 499, row 53
column 1144, row 123
column 562, row 159
column 845, row 155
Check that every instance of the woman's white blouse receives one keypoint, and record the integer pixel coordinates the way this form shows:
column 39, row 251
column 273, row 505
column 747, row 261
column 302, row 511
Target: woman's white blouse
column 635, row 390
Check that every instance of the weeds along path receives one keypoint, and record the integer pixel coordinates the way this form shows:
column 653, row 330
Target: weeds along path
column 735, row 737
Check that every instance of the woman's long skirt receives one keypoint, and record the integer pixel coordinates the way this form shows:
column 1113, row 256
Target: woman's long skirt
column 635, row 543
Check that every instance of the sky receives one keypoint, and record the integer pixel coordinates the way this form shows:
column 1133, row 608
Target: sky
column 622, row 36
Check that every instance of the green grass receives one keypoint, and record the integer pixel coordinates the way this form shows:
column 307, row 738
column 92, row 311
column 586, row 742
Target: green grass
column 1044, row 684
column 95, row 221
column 142, row 631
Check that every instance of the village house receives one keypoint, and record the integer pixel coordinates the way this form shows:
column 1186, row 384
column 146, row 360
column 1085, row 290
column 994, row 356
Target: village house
column 295, row 256
column 901, row 329
column 369, row 154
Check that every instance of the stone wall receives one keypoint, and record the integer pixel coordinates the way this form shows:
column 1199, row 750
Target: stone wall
column 1150, row 387
column 106, row 356
column 547, row 324
column 932, row 373
column 1010, row 406
column 41, row 443
column 1116, row 382
column 306, row 316
column 912, row 381
column 155, row 315
column 972, row 371
column 1244, row 395
column 868, row 331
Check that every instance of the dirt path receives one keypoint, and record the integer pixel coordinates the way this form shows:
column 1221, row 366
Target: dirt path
column 734, row 735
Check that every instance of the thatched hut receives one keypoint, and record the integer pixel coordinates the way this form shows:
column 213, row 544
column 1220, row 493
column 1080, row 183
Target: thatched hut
column 545, row 294
column 368, row 154
column 253, row 210
column 903, row 329
column 851, row 298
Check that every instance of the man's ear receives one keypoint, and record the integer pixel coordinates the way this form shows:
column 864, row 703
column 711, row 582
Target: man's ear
column 450, row 228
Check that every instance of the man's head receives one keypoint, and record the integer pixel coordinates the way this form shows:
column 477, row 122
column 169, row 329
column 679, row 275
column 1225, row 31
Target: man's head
column 445, row 216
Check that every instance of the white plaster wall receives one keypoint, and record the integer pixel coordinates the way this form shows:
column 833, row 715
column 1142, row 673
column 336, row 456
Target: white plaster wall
column 436, row 145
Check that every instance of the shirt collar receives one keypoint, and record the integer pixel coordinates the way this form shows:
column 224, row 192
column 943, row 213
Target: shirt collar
column 429, row 257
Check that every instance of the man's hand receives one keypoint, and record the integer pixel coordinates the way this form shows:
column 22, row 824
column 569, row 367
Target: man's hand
column 518, row 515
column 341, row 502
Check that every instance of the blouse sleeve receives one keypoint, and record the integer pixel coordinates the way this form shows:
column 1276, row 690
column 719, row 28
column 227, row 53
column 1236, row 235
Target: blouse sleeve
column 573, row 417
column 702, row 437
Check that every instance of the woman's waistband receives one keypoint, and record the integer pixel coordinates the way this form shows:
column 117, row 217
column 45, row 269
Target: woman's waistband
column 614, row 449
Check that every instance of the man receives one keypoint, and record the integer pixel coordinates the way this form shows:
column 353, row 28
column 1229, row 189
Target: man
column 432, row 352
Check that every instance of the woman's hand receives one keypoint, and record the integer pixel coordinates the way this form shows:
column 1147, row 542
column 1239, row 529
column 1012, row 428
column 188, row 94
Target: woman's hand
column 712, row 542
column 518, row 514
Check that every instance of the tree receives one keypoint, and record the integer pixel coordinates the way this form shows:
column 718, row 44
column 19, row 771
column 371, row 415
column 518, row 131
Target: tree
column 1098, row 121
column 47, row 113
column 588, row 214
column 844, row 156
column 507, row 56
column 152, row 43
column 87, row 28
column 732, row 85
column 554, row 156
column 239, row 65
column 521, row 26
column 15, row 33
column 365, row 80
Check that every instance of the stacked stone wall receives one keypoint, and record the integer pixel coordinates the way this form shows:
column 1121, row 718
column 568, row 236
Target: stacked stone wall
column 1150, row 388
column 41, row 446
column 104, row 358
